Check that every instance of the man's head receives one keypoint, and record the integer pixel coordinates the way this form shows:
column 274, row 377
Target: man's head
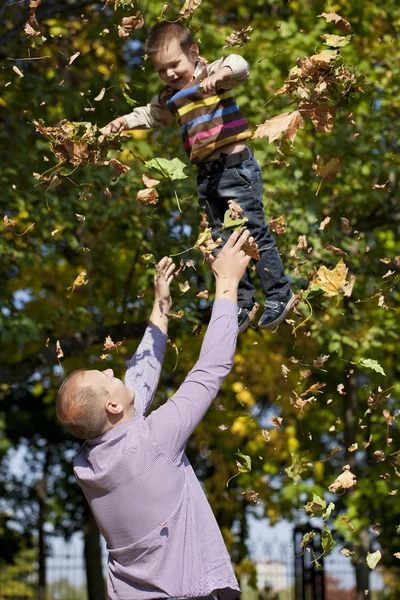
column 173, row 53
column 92, row 402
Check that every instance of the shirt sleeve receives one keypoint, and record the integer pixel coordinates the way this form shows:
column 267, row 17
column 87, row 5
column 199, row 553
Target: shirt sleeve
column 150, row 116
column 144, row 368
column 171, row 425
column 240, row 70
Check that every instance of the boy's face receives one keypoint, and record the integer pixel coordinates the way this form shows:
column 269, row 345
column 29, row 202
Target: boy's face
column 174, row 66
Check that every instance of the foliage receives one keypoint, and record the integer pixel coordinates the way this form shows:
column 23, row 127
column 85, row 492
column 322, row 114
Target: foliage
column 324, row 386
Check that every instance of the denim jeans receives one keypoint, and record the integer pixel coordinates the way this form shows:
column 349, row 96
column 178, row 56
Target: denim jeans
column 244, row 185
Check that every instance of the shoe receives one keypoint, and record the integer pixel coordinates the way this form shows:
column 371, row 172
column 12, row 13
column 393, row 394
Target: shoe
column 275, row 311
column 246, row 315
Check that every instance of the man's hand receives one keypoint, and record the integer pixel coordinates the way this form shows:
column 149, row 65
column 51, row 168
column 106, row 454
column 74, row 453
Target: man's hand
column 117, row 126
column 230, row 265
column 210, row 83
column 162, row 299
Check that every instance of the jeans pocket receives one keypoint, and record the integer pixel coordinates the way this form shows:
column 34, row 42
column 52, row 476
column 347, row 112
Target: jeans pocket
column 242, row 175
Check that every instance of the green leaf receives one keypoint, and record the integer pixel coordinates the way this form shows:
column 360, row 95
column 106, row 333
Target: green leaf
column 149, row 259
column 307, row 538
column 316, row 506
column 316, row 562
column 398, row 529
column 370, row 363
column 328, row 511
column 298, row 466
column 246, row 467
column 328, row 543
column 130, row 101
column 373, row 559
column 170, row 169
column 314, row 293
column 230, row 223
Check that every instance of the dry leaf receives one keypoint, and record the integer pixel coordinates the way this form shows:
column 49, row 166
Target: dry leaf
column 204, row 295
column 318, row 362
column 320, row 115
column 287, row 123
column 328, row 170
column 266, row 434
column 251, row 249
column 79, row 281
column 332, row 280
column 147, row 196
column 380, row 187
column 80, row 218
column 59, row 352
column 301, row 242
column 130, row 23
column 324, row 223
column 100, row 96
column 8, row 222
column 348, row 288
column 73, row 57
column 184, row 287
column 278, row 225
column 236, row 210
column 336, row 250
column 149, row 181
column 189, row 7
column 238, row 38
column 177, row 315
column 104, row 356
column 345, row 481
column 277, row 421
column 17, row 71
column 335, row 18
column 109, row 345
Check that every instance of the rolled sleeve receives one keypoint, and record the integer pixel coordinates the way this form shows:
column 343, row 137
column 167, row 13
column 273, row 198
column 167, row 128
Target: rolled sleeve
column 150, row 116
column 240, row 69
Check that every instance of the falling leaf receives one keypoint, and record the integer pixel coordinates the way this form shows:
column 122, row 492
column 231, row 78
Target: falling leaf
column 320, row 115
column 327, row 541
column 73, row 57
column 266, row 435
column 184, row 287
column 371, row 363
column 238, row 38
column 301, row 242
column 375, row 528
column 287, row 123
column 149, row 258
column 335, row 18
column 345, row 481
column 333, row 280
column 336, row 250
column 203, row 295
column 278, row 225
column 348, row 288
column 385, row 260
column 189, row 7
column 104, row 356
column 243, row 467
column 277, row 421
column 373, row 559
column 388, row 274
column 147, row 196
column 130, row 23
column 149, row 181
column 345, row 224
column 380, row 187
column 177, row 315
column 336, row 41
column 324, row 223
column 353, row 447
column 171, row 169
column 100, row 96
column 318, row 362
column 396, row 554
column 8, row 222
column 59, row 352
column 17, row 71
column 347, row 552
column 379, row 455
column 79, row 281
column 54, row 232
column 315, row 506
column 80, row 218
column 285, row 371
column 328, row 170
column 109, row 345
column 223, row 427
column 307, row 539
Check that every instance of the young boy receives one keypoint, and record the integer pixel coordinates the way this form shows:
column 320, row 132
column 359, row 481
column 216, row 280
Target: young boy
column 214, row 134
column 162, row 537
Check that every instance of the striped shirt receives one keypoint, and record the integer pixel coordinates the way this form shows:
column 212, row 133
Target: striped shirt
column 162, row 537
column 208, row 121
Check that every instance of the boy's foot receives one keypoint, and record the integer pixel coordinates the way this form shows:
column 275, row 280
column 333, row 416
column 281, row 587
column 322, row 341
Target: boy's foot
column 245, row 316
column 275, row 311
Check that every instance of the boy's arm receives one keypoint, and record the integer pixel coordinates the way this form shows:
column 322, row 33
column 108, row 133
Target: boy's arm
column 227, row 72
column 171, row 425
column 151, row 116
column 144, row 368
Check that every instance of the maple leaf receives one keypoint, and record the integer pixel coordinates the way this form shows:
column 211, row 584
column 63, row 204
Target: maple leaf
column 184, row 287
column 170, row 169
column 286, row 123
column 333, row 280
column 244, row 467
column 335, row 18
column 147, row 196
column 130, row 23
column 238, row 38
column 189, row 7
column 109, row 345
column 345, row 481
column 371, row 363
column 251, row 249
column 328, row 170
column 336, row 41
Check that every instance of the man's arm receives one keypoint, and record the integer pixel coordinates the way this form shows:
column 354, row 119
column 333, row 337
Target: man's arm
column 150, row 116
column 144, row 368
column 227, row 72
column 171, row 425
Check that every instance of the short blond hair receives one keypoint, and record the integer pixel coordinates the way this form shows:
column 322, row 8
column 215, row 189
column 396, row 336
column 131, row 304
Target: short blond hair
column 162, row 34
column 80, row 408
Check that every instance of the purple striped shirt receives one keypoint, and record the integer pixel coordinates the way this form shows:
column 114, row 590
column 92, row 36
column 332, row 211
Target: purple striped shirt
column 162, row 537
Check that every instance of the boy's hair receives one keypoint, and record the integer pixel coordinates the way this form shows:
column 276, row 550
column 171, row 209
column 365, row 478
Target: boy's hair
column 162, row 34
column 79, row 408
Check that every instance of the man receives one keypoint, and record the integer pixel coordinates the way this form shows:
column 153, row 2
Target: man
column 162, row 537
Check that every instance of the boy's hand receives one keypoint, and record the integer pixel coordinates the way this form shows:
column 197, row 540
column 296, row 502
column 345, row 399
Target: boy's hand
column 117, row 126
column 210, row 83
column 230, row 265
column 162, row 299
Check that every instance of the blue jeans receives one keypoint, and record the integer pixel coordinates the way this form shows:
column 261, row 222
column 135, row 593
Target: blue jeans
column 244, row 185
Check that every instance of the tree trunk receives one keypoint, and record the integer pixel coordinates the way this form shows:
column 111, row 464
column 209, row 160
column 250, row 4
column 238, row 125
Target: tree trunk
column 41, row 492
column 94, row 571
column 360, row 564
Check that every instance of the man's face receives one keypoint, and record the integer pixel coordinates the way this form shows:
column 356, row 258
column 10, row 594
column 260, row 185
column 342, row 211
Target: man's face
column 174, row 66
column 115, row 388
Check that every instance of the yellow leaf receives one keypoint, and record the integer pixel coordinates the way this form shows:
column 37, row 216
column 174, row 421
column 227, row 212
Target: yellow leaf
column 285, row 122
column 333, row 280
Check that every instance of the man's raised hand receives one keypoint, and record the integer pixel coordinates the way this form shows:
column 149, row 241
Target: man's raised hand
column 164, row 273
column 230, row 265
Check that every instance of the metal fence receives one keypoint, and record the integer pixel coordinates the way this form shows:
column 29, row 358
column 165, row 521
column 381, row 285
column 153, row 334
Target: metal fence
column 275, row 578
